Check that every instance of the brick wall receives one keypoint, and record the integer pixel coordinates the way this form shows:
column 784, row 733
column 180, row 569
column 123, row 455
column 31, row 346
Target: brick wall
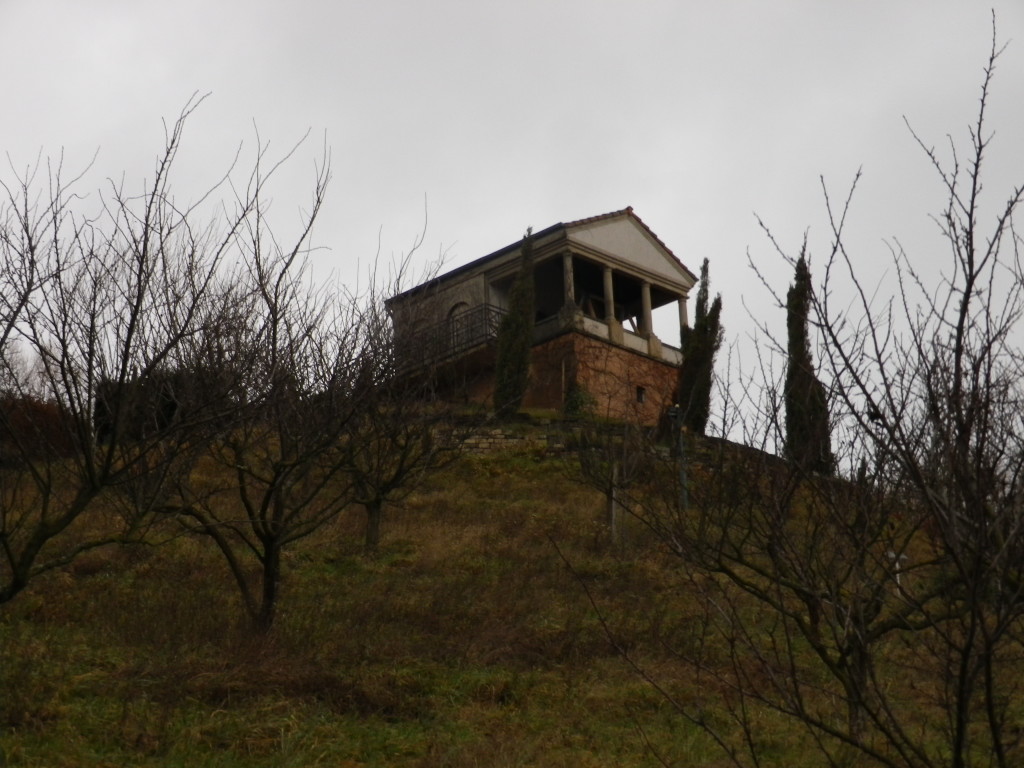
column 622, row 385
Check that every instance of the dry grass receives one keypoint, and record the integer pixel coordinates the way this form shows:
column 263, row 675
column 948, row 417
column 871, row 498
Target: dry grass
column 466, row 642
column 489, row 630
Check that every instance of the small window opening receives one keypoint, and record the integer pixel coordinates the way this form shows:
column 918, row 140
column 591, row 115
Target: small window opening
column 641, row 394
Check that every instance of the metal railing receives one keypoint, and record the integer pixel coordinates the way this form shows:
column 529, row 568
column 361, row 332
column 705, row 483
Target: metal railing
column 451, row 337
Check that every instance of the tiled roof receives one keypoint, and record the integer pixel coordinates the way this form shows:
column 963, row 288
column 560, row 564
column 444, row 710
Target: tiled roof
column 627, row 211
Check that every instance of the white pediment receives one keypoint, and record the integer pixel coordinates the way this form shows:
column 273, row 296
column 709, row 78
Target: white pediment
column 625, row 239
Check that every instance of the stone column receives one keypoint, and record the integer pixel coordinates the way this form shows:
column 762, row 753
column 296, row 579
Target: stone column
column 609, row 297
column 684, row 320
column 614, row 326
column 647, row 319
column 567, row 281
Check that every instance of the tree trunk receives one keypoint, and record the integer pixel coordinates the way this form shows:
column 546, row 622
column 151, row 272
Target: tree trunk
column 613, row 504
column 374, row 514
column 271, row 582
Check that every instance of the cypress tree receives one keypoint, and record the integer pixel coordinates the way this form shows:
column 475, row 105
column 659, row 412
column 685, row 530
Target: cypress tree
column 700, row 345
column 515, row 338
column 808, row 435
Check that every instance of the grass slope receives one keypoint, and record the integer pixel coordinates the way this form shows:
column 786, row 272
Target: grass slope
column 468, row 641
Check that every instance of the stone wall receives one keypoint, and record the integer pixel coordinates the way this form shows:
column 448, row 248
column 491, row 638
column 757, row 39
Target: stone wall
column 536, row 439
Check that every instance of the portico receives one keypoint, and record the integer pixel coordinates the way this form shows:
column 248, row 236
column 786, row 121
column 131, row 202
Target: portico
column 601, row 278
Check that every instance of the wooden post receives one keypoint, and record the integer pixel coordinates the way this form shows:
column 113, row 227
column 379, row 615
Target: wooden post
column 613, row 504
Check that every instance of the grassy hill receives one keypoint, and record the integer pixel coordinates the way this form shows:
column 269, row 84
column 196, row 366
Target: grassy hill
column 472, row 639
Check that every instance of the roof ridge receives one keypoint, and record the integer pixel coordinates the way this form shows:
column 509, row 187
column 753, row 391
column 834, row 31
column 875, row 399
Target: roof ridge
column 591, row 219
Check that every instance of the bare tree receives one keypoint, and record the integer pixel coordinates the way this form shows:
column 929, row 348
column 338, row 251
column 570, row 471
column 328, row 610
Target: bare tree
column 880, row 610
column 402, row 427
column 326, row 421
column 613, row 460
column 277, row 475
column 93, row 308
column 321, row 418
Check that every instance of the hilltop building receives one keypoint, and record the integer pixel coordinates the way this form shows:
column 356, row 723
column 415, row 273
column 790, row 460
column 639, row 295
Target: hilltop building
column 597, row 283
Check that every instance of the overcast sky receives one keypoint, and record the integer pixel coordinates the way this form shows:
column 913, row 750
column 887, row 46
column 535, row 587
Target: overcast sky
column 499, row 116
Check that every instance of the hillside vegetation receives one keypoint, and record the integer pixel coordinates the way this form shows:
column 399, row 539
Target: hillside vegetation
column 469, row 640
